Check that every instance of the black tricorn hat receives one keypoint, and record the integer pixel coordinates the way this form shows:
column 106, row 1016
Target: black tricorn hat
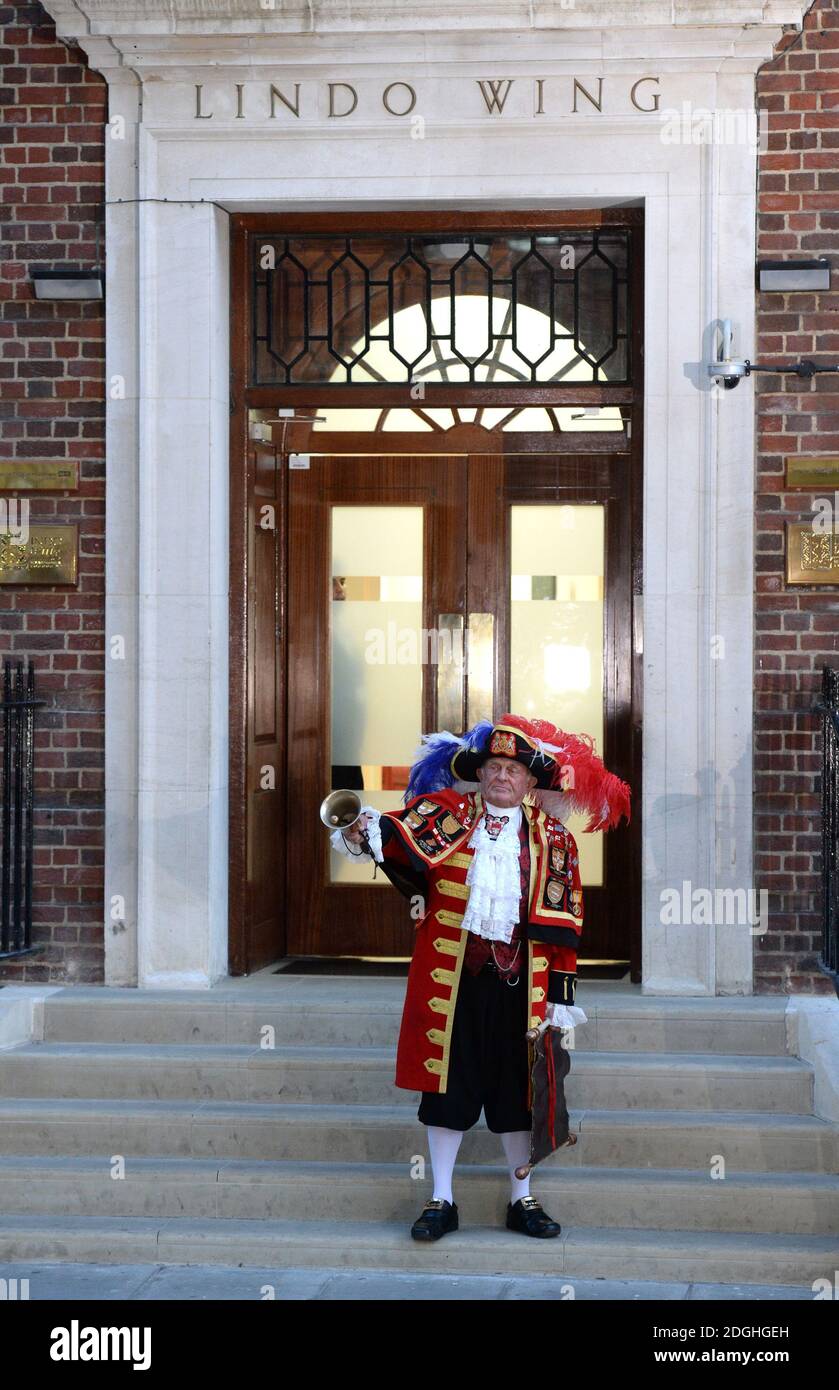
column 505, row 741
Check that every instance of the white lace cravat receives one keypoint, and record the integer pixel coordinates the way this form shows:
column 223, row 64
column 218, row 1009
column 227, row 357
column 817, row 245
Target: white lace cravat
column 494, row 877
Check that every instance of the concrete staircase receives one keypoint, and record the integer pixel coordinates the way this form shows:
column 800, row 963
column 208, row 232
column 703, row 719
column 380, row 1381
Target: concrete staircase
column 302, row 1153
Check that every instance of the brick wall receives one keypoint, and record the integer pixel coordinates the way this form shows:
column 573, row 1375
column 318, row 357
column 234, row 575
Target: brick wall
column 52, row 392
column 796, row 629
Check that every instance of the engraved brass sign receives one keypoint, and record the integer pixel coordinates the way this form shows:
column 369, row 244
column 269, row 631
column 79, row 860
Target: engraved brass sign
column 812, row 556
column 813, row 472
column 35, row 475
column 48, row 555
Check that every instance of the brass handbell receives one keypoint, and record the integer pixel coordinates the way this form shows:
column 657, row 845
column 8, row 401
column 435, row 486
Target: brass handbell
column 340, row 810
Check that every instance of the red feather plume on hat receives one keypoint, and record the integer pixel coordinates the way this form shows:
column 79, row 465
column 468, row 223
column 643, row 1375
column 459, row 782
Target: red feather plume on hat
column 580, row 780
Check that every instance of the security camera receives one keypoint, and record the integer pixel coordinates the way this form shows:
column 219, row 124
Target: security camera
column 730, row 370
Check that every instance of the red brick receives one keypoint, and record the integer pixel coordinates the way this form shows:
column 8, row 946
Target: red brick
column 793, row 641
column 51, row 180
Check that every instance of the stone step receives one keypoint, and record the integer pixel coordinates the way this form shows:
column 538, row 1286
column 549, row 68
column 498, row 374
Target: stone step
column 649, row 1199
column 601, row 1080
column 366, row 1013
column 749, row 1141
column 581, row 1252
column 179, row 1283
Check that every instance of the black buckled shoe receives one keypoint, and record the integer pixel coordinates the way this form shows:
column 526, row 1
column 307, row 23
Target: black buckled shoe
column 529, row 1216
column 436, row 1219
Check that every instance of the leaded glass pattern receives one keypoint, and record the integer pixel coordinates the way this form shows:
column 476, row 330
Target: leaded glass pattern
column 391, row 308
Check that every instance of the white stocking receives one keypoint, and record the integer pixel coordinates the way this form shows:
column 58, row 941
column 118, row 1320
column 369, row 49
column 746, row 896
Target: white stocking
column 443, row 1145
column 517, row 1148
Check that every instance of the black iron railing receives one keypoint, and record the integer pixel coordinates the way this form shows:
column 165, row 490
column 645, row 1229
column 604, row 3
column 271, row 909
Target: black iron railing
column 16, row 797
column 828, row 707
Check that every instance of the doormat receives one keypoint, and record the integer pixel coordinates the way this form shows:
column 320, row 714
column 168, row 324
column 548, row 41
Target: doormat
column 344, row 966
column 322, row 965
column 603, row 972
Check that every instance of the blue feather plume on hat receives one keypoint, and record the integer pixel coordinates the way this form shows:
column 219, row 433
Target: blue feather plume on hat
column 431, row 770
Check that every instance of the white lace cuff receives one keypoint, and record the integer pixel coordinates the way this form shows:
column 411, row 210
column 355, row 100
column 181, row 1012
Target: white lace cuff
column 374, row 834
column 564, row 1015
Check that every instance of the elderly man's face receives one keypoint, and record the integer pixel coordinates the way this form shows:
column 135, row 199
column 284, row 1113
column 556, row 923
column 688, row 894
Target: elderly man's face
column 505, row 782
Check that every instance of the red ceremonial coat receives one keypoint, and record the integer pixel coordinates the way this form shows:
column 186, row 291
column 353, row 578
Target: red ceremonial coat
column 430, row 838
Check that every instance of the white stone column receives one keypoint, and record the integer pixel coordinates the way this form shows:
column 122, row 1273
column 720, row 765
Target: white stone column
column 733, row 558
column 698, row 606
column 183, row 516
column 122, row 473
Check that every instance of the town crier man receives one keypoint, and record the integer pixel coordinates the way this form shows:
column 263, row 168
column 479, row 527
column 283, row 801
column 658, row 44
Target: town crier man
column 494, row 963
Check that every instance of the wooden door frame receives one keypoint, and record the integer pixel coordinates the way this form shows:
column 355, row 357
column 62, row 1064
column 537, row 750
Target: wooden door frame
column 438, row 486
column 244, row 398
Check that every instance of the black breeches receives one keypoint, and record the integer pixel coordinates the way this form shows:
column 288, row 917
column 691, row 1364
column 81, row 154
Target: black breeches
column 488, row 1058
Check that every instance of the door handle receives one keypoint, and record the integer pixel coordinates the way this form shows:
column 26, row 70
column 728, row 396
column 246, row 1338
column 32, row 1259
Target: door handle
column 638, row 623
column 480, row 667
column 449, row 657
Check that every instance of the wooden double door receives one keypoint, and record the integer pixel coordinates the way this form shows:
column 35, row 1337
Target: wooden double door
column 394, row 595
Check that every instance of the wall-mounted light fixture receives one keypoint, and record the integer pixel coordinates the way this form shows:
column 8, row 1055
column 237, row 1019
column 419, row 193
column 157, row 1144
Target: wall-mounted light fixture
column 68, row 284
column 790, row 276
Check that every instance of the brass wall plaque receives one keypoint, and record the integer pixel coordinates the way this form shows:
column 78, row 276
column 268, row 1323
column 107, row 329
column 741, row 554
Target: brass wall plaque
column 812, row 556
column 816, row 471
column 35, row 475
column 49, row 555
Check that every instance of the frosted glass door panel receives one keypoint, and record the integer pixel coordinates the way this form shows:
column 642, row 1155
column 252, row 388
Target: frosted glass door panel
column 376, row 658
column 556, row 632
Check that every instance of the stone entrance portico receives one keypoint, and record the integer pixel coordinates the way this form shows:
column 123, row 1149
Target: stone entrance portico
column 195, row 136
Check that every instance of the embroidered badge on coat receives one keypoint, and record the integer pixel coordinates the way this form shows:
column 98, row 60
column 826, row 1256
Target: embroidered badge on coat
column 558, row 857
column 494, row 825
column 450, row 825
column 554, row 892
column 430, row 847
